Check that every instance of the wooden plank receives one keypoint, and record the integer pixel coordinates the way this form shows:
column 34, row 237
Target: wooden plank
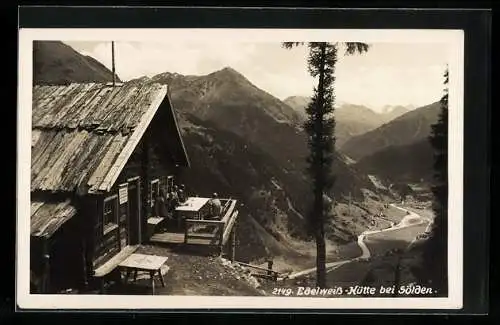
column 60, row 102
column 110, row 265
column 88, row 117
column 89, row 165
column 202, row 236
column 60, row 119
column 56, row 222
column 168, row 237
column 155, row 220
column 71, row 118
column 108, row 240
column 48, row 159
column 35, row 135
column 204, row 222
column 258, row 268
column 134, row 118
column 101, row 96
column 35, row 205
column 106, row 255
column 229, row 211
column 40, row 144
column 71, row 151
column 115, row 113
column 132, row 143
column 96, row 93
column 265, row 276
column 79, row 162
column 44, row 105
column 105, row 114
column 40, row 92
column 128, row 108
column 46, row 145
column 229, row 227
column 107, row 161
column 144, row 262
column 140, row 105
column 50, row 216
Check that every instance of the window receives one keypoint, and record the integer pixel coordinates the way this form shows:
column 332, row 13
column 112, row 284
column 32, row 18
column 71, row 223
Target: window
column 170, row 183
column 153, row 195
column 110, row 213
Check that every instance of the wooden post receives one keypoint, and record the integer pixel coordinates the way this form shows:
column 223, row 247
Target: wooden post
column 270, row 267
column 186, row 229
column 233, row 245
column 46, row 266
column 145, row 182
column 113, row 60
column 139, row 214
column 221, row 240
column 84, row 262
column 152, row 277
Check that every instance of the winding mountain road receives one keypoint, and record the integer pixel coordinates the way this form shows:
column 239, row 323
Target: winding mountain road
column 381, row 240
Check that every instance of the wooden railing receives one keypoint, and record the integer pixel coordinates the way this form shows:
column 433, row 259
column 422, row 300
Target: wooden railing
column 221, row 228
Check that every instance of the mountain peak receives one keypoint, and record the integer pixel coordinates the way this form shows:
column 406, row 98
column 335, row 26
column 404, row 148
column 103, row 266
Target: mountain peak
column 229, row 74
column 229, row 70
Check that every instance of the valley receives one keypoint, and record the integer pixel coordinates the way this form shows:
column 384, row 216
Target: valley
column 245, row 143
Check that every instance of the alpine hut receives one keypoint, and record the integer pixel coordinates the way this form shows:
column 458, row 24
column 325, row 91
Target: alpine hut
column 99, row 152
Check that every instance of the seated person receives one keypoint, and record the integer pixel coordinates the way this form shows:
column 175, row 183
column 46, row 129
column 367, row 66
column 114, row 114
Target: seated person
column 181, row 194
column 162, row 202
column 174, row 198
column 215, row 207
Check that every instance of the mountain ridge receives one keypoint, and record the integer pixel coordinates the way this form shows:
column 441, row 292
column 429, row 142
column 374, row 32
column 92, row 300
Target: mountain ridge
column 408, row 128
column 351, row 119
column 56, row 63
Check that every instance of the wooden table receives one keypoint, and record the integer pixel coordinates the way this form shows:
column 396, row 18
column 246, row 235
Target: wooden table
column 192, row 208
column 146, row 263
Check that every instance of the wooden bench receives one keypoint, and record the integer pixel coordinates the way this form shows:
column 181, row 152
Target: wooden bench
column 102, row 271
column 153, row 224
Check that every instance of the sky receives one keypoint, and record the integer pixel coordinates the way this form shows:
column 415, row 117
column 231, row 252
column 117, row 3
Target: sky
column 388, row 74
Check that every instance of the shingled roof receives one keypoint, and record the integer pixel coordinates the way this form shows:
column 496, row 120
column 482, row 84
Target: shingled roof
column 83, row 134
column 47, row 217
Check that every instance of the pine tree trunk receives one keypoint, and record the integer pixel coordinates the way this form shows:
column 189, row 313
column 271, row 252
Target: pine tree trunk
column 319, row 231
column 320, row 257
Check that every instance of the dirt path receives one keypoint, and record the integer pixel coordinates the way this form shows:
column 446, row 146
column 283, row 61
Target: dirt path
column 412, row 219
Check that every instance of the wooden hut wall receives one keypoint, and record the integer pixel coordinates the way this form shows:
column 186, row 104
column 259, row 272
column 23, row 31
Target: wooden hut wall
column 90, row 235
column 36, row 263
column 97, row 246
column 66, row 263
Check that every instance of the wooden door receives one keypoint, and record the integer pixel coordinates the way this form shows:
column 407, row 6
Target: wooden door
column 134, row 208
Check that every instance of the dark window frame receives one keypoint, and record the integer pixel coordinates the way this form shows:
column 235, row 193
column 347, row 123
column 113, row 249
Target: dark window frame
column 110, row 224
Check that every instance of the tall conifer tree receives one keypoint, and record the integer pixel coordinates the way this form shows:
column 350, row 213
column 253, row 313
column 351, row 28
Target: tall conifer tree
column 320, row 126
column 436, row 249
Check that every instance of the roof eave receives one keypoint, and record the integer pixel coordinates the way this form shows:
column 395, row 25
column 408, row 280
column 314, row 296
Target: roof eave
column 132, row 143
